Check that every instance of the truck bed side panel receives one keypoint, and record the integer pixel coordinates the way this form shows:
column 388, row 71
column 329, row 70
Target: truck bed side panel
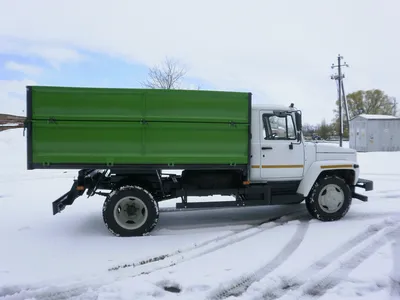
column 69, row 129
column 136, row 104
column 90, row 142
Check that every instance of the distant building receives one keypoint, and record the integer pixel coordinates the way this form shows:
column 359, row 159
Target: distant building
column 370, row 133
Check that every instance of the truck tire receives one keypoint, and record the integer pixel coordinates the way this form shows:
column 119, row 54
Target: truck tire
column 130, row 211
column 330, row 199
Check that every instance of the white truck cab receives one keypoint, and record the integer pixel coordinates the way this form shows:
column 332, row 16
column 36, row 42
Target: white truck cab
column 327, row 174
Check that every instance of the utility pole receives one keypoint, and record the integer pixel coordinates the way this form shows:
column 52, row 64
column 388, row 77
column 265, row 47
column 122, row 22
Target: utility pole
column 346, row 107
column 339, row 77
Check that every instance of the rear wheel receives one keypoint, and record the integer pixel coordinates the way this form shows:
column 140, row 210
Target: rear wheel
column 130, row 211
column 330, row 199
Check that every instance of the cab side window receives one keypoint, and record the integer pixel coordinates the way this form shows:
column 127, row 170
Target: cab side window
column 278, row 127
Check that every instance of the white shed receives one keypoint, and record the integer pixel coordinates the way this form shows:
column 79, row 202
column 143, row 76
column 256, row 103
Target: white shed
column 370, row 133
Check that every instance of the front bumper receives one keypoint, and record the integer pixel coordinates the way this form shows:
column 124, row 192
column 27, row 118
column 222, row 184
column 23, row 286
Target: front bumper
column 365, row 184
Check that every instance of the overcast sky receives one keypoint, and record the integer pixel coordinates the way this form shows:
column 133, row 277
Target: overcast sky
column 279, row 50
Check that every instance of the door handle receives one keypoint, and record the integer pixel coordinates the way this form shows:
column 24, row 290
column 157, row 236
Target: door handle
column 266, row 148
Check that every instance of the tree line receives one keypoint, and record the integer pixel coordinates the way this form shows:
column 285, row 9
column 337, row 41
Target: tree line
column 371, row 102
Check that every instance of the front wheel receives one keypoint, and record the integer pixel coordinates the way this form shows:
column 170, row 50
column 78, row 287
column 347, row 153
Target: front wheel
column 330, row 199
column 130, row 211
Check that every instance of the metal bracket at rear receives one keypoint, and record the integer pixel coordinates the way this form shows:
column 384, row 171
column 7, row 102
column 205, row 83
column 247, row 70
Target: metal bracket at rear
column 85, row 181
column 67, row 199
column 96, row 177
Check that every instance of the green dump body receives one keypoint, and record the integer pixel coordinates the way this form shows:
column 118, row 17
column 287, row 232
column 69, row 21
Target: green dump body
column 72, row 128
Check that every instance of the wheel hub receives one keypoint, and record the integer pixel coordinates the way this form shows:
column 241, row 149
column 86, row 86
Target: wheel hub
column 130, row 213
column 331, row 198
column 130, row 209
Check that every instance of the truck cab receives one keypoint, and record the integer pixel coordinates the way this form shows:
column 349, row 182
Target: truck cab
column 279, row 151
column 324, row 174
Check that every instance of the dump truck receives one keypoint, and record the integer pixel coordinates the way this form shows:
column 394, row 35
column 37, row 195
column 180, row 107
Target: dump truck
column 125, row 142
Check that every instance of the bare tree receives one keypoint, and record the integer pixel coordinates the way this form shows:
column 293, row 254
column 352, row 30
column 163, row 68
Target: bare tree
column 166, row 76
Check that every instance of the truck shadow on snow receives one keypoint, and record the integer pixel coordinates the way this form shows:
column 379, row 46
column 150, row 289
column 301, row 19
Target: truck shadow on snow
column 220, row 218
column 173, row 222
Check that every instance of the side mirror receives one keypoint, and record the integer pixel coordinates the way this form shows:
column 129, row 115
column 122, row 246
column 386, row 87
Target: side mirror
column 298, row 121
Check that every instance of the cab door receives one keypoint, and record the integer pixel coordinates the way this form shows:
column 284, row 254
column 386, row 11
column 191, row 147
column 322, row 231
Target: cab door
column 282, row 156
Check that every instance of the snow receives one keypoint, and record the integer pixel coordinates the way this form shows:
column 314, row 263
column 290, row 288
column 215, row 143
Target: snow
column 375, row 117
column 194, row 254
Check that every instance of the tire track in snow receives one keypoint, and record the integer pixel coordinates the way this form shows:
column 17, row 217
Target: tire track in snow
column 319, row 287
column 219, row 242
column 47, row 293
column 395, row 273
column 393, row 194
column 387, row 191
column 299, row 281
column 240, row 285
column 381, row 174
column 151, row 265
column 395, row 289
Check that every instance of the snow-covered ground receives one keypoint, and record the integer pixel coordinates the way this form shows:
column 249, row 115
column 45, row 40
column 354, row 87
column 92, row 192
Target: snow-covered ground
column 207, row 254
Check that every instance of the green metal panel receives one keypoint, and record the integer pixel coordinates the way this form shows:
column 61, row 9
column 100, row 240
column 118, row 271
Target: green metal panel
column 86, row 126
column 93, row 142
column 63, row 103
column 196, row 106
column 86, row 142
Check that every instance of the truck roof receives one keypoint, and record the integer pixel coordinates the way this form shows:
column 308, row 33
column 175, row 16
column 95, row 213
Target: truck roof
column 271, row 107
